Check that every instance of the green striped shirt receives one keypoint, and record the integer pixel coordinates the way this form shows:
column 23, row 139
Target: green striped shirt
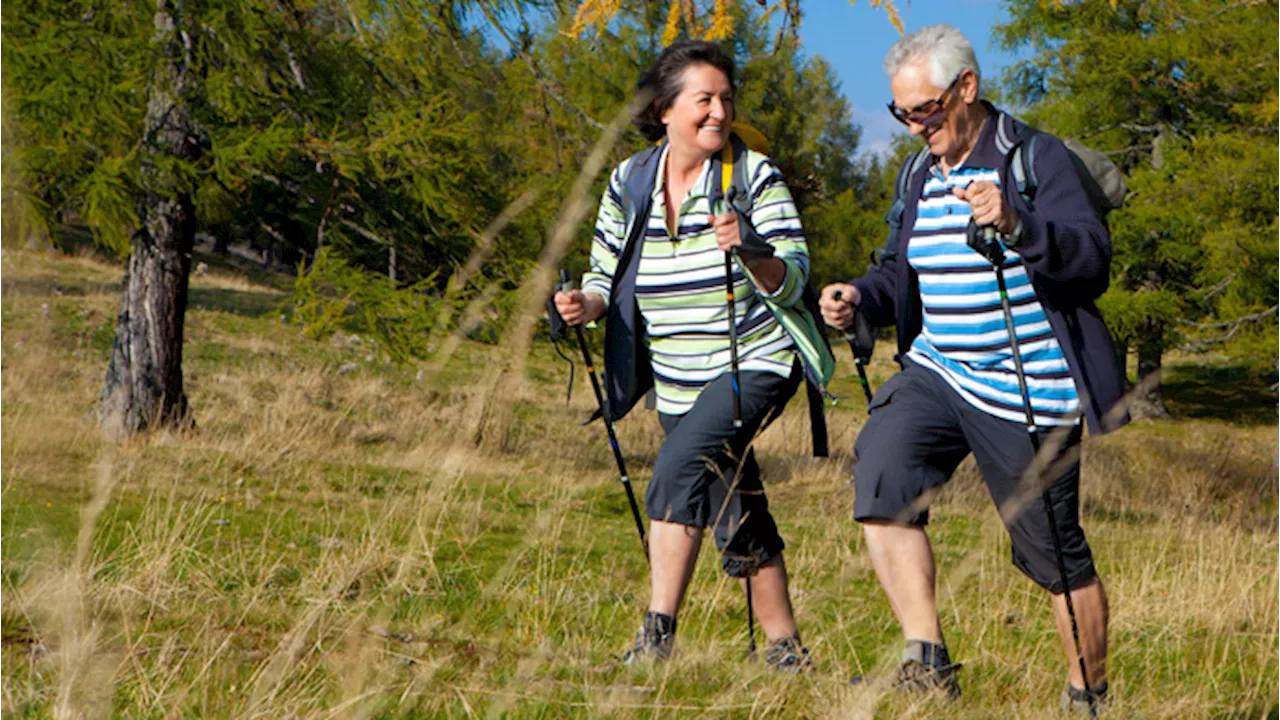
column 680, row 282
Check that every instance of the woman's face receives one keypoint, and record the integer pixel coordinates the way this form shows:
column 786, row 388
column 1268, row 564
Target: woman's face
column 698, row 120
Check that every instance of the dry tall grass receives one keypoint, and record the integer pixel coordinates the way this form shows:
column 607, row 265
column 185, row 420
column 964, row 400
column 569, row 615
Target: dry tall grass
column 335, row 545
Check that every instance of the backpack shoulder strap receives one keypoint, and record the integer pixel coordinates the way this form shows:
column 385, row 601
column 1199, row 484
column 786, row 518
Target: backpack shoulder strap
column 1018, row 143
column 637, row 190
column 901, row 187
column 1023, row 166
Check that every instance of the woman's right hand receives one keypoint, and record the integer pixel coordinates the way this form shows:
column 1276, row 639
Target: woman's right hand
column 839, row 313
column 578, row 308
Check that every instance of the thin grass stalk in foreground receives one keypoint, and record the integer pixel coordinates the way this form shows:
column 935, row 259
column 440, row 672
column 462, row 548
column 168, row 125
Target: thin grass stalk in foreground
column 483, row 249
column 534, row 291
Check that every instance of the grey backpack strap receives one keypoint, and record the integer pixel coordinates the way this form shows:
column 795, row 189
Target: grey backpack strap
column 1023, row 166
column 902, row 186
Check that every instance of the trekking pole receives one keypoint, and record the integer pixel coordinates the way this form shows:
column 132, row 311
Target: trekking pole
column 737, row 417
column 984, row 242
column 731, row 308
column 751, row 623
column 565, row 284
column 862, row 342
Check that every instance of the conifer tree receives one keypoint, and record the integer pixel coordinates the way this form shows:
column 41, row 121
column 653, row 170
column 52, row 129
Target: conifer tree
column 1182, row 95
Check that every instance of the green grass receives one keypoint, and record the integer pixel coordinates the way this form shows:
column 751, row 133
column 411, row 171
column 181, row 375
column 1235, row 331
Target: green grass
column 326, row 544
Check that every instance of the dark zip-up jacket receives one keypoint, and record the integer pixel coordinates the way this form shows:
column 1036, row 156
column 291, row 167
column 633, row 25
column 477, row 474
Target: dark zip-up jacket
column 1066, row 250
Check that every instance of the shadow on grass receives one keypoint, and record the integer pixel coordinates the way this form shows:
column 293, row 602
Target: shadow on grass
column 248, row 303
column 1233, row 394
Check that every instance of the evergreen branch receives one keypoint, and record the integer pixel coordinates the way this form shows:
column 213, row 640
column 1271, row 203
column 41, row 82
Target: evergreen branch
column 293, row 65
column 529, row 62
column 367, row 233
column 1131, row 148
column 1232, row 327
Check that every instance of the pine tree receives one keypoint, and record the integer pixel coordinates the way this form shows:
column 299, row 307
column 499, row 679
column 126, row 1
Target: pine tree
column 1182, row 95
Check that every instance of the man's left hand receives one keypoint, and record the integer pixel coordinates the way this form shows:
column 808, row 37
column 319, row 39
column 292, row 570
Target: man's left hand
column 986, row 202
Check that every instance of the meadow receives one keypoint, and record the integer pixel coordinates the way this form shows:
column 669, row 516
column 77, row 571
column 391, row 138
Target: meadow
column 342, row 537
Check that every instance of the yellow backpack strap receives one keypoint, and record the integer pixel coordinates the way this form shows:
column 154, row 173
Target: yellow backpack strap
column 726, row 168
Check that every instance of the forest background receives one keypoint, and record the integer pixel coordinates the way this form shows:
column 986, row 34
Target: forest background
column 378, row 193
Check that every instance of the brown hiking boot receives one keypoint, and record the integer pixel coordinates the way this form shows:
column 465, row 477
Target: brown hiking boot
column 1087, row 703
column 915, row 676
column 788, row 655
column 654, row 639
column 925, row 667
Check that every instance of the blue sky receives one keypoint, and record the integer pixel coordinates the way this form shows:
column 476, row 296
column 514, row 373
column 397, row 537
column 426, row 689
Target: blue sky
column 854, row 38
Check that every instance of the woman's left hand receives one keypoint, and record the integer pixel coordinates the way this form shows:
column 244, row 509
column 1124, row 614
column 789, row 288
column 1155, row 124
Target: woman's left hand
column 726, row 228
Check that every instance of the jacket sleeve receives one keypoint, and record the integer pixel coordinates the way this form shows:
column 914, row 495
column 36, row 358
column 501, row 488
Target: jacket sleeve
column 608, row 239
column 878, row 289
column 777, row 222
column 1062, row 238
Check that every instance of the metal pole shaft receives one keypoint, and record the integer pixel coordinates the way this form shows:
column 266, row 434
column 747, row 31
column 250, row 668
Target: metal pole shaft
column 1046, row 499
column 731, row 307
column 859, row 361
column 613, row 439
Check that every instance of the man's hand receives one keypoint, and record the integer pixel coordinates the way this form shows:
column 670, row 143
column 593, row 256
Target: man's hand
column 578, row 308
column 986, row 202
column 839, row 313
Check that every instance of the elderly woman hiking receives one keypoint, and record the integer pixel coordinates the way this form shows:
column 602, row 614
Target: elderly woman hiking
column 974, row 379
column 662, row 286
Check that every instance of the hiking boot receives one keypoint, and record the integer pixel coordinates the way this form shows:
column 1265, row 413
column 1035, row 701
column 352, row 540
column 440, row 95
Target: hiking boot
column 654, row 640
column 913, row 676
column 925, row 667
column 788, row 656
column 1088, row 703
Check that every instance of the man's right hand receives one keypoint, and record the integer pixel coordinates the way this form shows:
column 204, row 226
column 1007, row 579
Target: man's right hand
column 839, row 313
column 578, row 308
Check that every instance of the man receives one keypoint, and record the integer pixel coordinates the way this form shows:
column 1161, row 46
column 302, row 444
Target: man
column 958, row 391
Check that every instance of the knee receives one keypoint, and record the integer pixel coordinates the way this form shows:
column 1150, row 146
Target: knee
column 1036, row 556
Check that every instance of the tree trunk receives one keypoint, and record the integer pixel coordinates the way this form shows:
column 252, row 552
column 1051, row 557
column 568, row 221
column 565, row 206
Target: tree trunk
column 1148, row 401
column 143, row 386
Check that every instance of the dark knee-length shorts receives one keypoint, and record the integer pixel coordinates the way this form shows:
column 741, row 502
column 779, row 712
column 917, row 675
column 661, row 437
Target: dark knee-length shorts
column 705, row 475
column 919, row 431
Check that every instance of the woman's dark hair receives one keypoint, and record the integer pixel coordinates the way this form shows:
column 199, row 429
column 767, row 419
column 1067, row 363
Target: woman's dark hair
column 663, row 80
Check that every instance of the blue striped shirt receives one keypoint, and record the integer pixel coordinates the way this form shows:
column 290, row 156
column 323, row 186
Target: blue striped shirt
column 964, row 337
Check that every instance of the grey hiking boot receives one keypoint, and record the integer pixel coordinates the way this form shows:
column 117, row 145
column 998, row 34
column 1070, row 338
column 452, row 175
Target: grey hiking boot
column 788, row 655
column 925, row 667
column 1087, row 703
column 654, row 640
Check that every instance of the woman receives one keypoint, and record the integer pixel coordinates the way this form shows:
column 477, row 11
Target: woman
column 676, row 280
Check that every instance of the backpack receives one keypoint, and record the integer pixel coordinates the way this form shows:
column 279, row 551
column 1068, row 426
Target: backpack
column 1102, row 180
column 801, row 322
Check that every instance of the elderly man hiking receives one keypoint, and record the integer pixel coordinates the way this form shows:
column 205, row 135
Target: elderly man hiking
column 992, row 293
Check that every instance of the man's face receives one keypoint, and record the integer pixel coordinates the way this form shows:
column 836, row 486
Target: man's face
column 931, row 112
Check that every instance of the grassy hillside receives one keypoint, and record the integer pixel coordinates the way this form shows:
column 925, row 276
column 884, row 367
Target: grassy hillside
column 329, row 541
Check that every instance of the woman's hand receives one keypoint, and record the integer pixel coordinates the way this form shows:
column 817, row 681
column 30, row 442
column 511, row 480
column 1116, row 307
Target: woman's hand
column 578, row 308
column 726, row 228
column 839, row 313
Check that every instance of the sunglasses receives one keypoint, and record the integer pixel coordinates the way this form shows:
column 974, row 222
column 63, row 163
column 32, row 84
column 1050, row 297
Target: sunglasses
column 926, row 113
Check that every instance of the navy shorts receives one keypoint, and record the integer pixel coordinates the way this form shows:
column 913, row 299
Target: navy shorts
column 919, row 431
column 701, row 477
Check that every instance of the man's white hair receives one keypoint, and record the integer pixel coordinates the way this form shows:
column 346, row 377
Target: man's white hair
column 947, row 51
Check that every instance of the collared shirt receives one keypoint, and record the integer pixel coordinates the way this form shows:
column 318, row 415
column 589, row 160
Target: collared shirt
column 964, row 337
column 680, row 282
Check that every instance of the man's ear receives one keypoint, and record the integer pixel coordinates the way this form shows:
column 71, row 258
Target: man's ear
column 970, row 87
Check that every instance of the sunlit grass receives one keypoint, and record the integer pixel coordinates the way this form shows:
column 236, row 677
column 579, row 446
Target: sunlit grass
column 329, row 544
